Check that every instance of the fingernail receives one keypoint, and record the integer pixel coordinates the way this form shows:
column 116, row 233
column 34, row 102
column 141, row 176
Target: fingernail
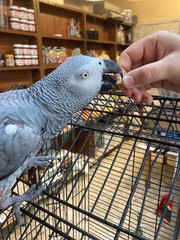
column 128, row 81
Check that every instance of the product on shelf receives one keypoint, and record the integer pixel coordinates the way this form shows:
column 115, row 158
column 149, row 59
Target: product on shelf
column 22, row 18
column 34, row 60
column 120, row 36
column 92, row 53
column 127, row 15
column 9, row 60
column 30, row 13
column 3, row 15
column 54, row 55
column 25, row 54
column 118, row 55
column 19, row 60
column 128, row 37
column 14, row 11
column 26, row 49
column 15, row 23
column 2, row 61
column 92, row 34
column 23, row 13
column 74, row 28
column 76, row 51
column 27, row 60
column 18, row 49
column 31, row 25
column 104, row 55
column 78, row 29
column 24, row 26
column 33, row 50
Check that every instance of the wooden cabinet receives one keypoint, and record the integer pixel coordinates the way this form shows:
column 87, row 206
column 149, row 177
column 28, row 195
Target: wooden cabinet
column 23, row 75
column 52, row 21
column 106, row 35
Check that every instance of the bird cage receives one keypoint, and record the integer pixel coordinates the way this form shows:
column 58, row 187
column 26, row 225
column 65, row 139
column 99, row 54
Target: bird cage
column 117, row 176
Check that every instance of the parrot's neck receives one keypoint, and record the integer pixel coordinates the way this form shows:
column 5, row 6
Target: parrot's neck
column 58, row 104
column 57, row 97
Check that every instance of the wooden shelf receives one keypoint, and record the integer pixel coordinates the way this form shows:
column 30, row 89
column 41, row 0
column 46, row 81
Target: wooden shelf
column 60, row 6
column 53, row 19
column 95, row 16
column 64, row 38
column 124, row 45
column 119, row 21
column 17, row 32
column 16, row 68
column 50, row 65
column 100, row 42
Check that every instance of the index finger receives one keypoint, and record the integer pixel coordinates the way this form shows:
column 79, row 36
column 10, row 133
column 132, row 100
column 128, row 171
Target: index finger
column 139, row 53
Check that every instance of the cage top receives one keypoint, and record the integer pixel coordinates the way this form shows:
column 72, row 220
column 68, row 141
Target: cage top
column 116, row 114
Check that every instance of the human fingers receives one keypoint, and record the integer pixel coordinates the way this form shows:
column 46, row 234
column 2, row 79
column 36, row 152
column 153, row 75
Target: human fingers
column 141, row 96
column 150, row 73
column 138, row 95
column 142, row 52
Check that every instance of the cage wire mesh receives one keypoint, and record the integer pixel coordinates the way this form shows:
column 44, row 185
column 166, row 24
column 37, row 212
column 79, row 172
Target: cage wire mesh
column 116, row 177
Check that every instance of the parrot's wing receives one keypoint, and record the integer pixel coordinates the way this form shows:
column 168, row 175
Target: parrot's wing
column 18, row 141
column 5, row 96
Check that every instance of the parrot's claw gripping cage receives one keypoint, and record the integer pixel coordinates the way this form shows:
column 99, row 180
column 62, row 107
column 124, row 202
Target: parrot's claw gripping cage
column 117, row 175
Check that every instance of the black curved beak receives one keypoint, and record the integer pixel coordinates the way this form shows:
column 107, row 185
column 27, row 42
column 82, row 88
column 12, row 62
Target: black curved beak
column 109, row 81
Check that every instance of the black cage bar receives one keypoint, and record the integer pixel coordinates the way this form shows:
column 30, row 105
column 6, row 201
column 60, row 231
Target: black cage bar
column 116, row 177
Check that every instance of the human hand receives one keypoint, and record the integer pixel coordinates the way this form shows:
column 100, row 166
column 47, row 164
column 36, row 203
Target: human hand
column 152, row 62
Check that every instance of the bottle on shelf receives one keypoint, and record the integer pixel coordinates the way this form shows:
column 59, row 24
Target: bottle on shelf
column 120, row 37
column 78, row 29
column 72, row 29
column 3, row 14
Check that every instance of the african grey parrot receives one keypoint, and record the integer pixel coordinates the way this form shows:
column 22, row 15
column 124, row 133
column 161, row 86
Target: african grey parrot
column 31, row 116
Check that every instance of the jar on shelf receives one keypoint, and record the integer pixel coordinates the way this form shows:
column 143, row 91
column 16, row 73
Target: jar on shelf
column 2, row 61
column 92, row 34
column 18, row 49
column 23, row 13
column 26, row 49
column 33, row 50
column 14, row 23
column 9, row 60
column 14, row 11
column 27, row 60
column 32, row 27
column 19, row 60
column 34, row 60
column 30, row 13
column 24, row 26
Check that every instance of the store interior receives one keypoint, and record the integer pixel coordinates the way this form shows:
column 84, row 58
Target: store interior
column 117, row 176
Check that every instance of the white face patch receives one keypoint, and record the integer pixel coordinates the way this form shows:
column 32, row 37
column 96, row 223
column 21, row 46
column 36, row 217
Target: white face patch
column 10, row 129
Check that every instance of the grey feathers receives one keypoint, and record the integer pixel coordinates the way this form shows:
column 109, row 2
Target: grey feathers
column 30, row 116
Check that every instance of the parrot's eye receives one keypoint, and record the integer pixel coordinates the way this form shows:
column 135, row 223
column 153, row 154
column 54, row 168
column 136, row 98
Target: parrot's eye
column 85, row 75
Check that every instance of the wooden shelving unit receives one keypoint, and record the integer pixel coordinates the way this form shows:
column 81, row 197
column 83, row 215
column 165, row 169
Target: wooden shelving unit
column 52, row 19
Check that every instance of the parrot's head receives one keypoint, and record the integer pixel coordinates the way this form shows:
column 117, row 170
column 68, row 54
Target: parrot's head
column 76, row 81
column 88, row 75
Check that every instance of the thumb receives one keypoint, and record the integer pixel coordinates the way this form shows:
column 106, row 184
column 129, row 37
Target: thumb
column 147, row 74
